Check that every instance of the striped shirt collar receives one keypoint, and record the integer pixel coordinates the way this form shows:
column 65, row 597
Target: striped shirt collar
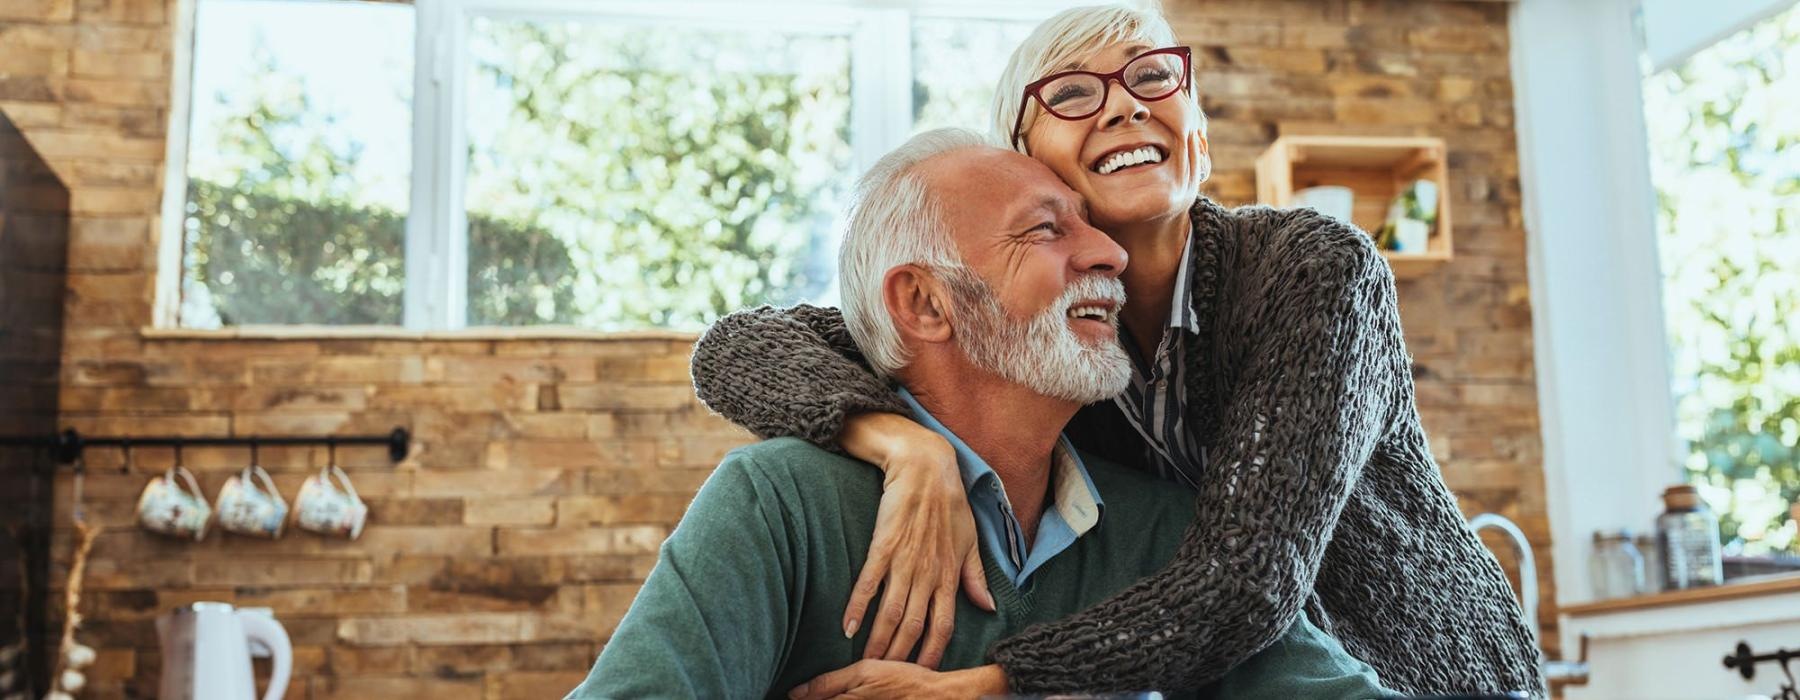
column 1155, row 401
column 1181, row 307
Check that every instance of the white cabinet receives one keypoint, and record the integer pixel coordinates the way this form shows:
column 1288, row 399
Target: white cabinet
column 1673, row 645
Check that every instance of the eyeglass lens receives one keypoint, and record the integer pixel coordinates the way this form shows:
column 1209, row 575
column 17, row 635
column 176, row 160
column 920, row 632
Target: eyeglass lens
column 1147, row 77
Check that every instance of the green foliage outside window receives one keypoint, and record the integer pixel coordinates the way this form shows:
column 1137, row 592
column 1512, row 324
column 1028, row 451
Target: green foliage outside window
column 277, row 234
column 680, row 173
column 617, row 178
column 1725, row 156
column 288, row 241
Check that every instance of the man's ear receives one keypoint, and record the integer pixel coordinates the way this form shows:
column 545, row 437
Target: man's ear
column 918, row 303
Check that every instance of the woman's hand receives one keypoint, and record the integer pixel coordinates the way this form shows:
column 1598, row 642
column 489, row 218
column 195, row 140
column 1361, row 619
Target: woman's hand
column 893, row 679
column 924, row 541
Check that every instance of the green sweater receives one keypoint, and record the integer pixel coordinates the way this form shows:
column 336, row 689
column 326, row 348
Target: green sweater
column 747, row 595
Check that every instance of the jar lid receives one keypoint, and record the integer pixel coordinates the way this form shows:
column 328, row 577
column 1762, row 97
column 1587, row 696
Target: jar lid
column 1620, row 535
column 1681, row 497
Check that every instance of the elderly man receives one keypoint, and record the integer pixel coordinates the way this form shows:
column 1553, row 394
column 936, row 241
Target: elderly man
column 970, row 276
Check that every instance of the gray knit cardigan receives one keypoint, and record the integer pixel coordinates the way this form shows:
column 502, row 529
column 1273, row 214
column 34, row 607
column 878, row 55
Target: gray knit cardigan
column 1319, row 492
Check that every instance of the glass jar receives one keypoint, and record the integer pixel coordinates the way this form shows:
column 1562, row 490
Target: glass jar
column 1687, row 535
column 1653, row 568
column 1618, row 567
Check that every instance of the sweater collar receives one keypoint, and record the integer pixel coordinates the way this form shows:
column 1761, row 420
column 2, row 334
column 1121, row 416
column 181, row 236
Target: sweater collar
column 1208, row 245
column 1212, row 225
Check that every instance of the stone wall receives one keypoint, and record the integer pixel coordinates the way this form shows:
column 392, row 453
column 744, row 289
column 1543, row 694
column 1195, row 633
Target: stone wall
column 547, row 469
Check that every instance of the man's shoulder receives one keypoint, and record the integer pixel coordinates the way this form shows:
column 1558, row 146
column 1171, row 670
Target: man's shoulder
column 787, row 451
column 781, row 449
column 788, row 463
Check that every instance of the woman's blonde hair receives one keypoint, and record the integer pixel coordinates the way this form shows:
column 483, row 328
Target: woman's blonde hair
column 1058, row 44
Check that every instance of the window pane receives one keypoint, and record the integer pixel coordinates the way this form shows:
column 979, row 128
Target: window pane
column 625, row 176
column 956, row 62
column 1724, row 133
column 299, row 160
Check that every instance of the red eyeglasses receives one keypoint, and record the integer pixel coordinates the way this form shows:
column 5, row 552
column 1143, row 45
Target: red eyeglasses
column 1078, row 94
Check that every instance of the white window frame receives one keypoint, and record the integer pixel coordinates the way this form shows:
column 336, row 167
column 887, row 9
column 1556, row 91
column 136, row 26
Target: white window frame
column 1604, row 403
column 436, row 247
column 165, row 310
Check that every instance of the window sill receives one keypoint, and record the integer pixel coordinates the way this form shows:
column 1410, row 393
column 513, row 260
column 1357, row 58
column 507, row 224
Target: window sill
column 320, row 332
column 1740, row 588
column 1748, row 601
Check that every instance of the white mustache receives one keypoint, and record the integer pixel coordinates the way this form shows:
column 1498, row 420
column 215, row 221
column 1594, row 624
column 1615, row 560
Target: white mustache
column 1090, row 288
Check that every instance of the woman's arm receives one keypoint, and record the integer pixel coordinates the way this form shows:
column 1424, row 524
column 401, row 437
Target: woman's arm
column 797, row 372
column 788, row 372
column 1315, row 394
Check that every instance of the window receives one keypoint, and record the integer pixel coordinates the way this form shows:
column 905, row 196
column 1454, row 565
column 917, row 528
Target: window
column 611, row 166
column 619, row 178
column 946, row 92
column 1724, row 131
column 298, row 167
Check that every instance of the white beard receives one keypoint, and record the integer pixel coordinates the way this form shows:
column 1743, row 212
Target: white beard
column 1042, row 354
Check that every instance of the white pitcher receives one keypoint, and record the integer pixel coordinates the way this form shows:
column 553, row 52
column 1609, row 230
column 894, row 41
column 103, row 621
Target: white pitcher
column 206, row 650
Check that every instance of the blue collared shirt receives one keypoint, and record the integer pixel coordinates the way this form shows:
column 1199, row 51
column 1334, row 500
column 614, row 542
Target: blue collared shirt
column 1075, row 508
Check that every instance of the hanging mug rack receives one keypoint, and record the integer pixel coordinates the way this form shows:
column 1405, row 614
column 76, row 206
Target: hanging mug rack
column 67, row 446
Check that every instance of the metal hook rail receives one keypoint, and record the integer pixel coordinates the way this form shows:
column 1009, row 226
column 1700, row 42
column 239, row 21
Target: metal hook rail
column 67, row 446
column 1745, row 661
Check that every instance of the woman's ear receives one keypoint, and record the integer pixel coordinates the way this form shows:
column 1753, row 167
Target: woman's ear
column 1200, row 132
column 918, row 303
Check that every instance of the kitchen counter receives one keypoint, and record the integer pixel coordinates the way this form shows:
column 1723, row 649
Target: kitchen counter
column 1742, row 588
column 1673, row 644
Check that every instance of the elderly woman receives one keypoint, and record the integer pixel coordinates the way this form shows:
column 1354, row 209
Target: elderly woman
column 1270, row 377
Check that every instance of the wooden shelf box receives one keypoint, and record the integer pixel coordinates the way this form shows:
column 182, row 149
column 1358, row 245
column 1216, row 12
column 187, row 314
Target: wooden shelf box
column 1375, row 168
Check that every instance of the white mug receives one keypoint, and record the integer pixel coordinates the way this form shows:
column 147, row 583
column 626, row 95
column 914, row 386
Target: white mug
column 1335, row 201
column 249, row 509
column 169, row 508
column 325, row 508
column 1411, row 236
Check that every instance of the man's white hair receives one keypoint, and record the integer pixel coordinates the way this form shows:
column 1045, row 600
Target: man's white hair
column 894, row 220
column 1061, row 41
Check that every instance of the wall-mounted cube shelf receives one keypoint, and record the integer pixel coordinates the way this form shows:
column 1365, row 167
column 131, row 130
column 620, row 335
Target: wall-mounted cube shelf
column 1375, row 168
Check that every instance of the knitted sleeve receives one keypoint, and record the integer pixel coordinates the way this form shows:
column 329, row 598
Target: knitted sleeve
column 1314, row 392
column 788, row 372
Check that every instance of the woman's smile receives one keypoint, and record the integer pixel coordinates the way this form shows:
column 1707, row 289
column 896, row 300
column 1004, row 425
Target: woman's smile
column 1129, row 158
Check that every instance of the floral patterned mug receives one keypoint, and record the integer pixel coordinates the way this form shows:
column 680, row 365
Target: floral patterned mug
column 175, row 508
column 330, row 508
column 248, row 507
